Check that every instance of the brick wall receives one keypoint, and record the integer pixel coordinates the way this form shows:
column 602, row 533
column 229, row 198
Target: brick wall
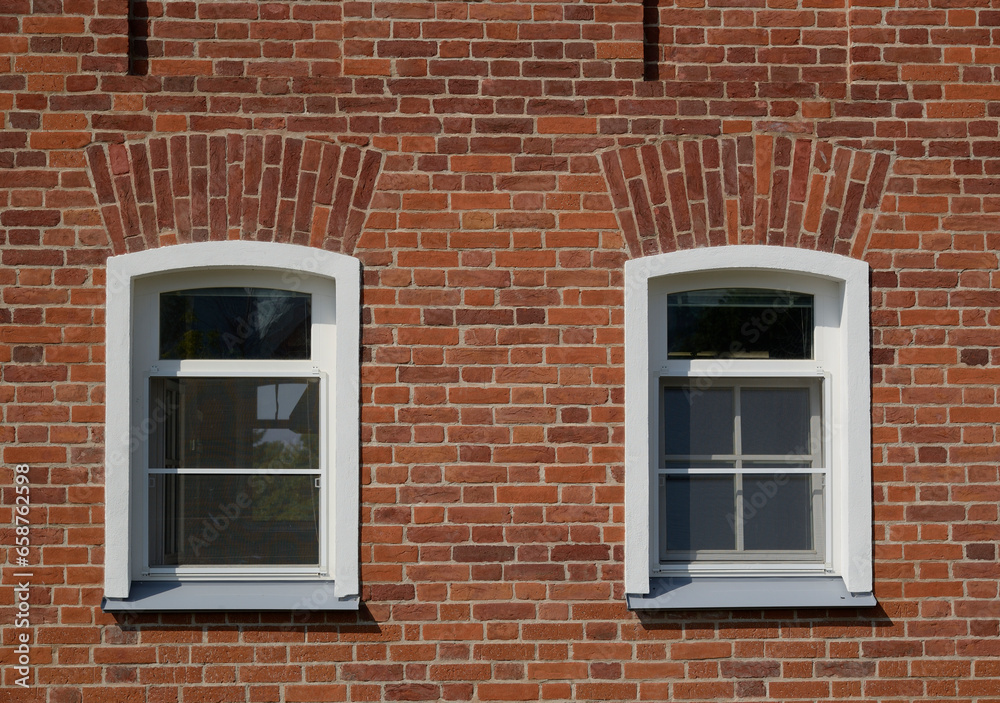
column 493, row 164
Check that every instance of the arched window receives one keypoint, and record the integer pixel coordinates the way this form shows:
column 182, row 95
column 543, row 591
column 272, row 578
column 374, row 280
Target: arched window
column 232, row 428
column 748, row 449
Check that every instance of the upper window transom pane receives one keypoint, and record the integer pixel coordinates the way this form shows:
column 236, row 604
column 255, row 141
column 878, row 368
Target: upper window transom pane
column 235, row 323
column 740, row 323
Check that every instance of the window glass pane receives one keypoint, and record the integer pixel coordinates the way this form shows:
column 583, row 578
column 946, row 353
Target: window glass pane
column 698, row 421
column 700, row 512
column 234, row 423
column 775, row 421
column 235, row 323
column 239, row 520
column 778, row 512
column 740, row 322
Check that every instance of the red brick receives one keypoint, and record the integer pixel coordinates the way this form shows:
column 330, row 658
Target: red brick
column 508, row 691
column 494, row 165
column 701, row 650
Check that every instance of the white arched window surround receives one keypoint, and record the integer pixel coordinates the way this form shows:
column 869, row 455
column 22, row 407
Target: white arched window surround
column 133, row 281
column 841, row 368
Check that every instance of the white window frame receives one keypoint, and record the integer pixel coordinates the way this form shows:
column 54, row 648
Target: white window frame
column 841, row 364
column 134, row 282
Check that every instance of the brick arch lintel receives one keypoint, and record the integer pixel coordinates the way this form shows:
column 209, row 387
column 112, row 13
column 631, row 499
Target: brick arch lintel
column 200, row 187
column 795, row 191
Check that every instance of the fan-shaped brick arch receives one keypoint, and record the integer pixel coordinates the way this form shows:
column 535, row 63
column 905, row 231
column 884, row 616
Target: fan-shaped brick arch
column 183, row 188
column 747, row 189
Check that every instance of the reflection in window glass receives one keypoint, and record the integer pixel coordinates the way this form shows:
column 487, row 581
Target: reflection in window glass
column 740, row 322
column 235, row 323
column 236, row 520
column 234, row 423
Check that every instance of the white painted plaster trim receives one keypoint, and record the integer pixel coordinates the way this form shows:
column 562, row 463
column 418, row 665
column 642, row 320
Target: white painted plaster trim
column 852, row 426
column 122, row 273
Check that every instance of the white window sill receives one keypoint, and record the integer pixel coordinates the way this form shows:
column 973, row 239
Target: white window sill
column 717, row 592
column 295, row 596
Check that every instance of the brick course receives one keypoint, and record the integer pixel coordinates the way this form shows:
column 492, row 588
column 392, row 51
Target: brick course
column 493, row 165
